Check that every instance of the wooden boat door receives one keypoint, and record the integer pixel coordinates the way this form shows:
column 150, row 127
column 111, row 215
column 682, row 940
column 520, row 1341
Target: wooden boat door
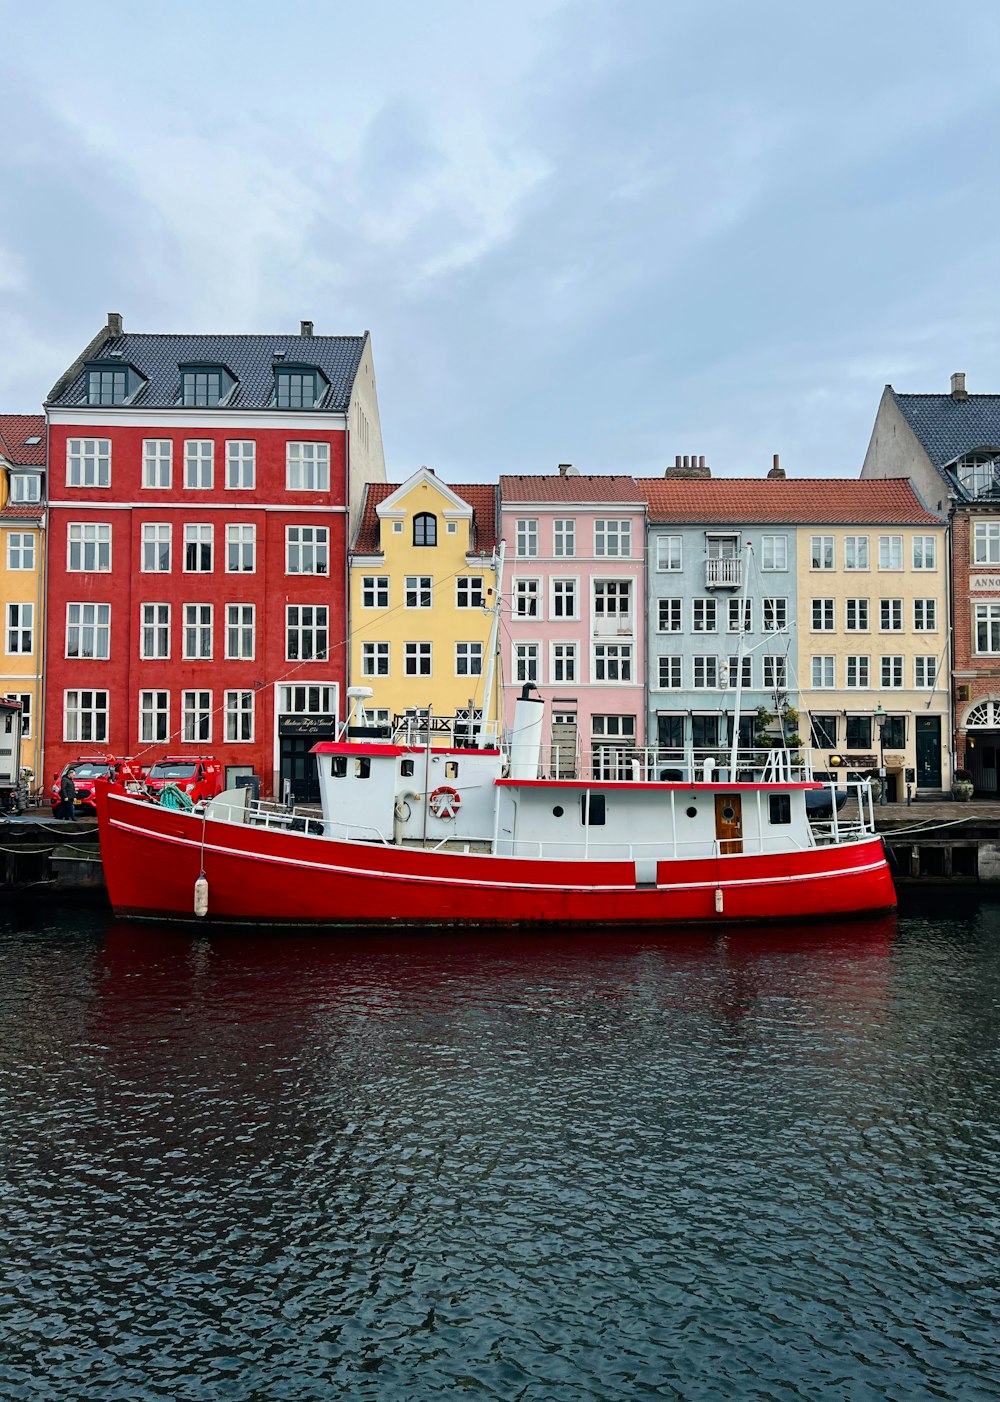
column 729, row 822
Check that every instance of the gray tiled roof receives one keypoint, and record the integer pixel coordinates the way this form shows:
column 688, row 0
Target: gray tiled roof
column 249, row 359
column 948, row 427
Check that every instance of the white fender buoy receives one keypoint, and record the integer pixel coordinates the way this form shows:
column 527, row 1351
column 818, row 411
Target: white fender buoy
column 718, row 900
column 201, row 897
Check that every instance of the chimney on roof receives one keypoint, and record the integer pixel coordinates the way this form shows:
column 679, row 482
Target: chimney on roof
column 566, row 469
column 958, row 390
column 305, row 328
column 777, row 473
column 114, row 323
column 690, row 468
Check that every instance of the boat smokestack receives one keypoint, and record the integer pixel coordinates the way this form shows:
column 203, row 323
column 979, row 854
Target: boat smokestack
column 526, row 737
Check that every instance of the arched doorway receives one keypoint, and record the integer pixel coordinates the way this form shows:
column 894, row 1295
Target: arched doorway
column 982, row 745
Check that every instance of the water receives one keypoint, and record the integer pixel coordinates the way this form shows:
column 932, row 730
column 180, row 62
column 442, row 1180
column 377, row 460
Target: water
column 763, row 1165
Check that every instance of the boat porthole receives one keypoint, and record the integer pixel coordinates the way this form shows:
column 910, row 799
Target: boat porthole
column 729, row 814
column 557, row 812
column 691, row 812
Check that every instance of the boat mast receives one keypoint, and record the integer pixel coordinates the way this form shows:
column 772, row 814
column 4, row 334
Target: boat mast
column 494, row 633
column 740, row 650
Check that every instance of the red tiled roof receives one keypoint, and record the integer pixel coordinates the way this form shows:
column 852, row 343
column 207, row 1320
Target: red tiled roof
column 22, row 511
column 621, row 490
column 809, row 501
column 481, row 497
column 14, row 430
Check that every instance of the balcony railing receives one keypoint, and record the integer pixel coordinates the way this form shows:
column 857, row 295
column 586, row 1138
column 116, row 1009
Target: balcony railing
column 724, row 573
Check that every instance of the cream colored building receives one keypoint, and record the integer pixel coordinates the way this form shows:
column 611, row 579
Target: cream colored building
column 22, row 574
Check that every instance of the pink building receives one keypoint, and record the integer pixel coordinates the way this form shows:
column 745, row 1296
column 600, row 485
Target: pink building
column 574, row 605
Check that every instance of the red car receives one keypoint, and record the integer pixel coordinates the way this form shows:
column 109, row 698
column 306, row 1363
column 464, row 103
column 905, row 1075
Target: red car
column 200, row 776
column 89, row 768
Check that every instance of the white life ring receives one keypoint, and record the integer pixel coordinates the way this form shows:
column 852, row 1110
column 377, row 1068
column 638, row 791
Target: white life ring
column 445, row 802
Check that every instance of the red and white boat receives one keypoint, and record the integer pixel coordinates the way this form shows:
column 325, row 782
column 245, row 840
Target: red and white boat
column 418, row 831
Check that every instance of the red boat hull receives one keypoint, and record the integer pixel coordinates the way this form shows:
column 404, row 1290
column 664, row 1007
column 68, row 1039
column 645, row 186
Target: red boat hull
column 152, row 857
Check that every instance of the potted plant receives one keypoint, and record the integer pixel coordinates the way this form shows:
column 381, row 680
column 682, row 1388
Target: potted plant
column 961, row 786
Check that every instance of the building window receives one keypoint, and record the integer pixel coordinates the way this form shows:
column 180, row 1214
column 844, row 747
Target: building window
column 196, row 716
column 526, row 594
column 925, row 615
column 564, row 662
column 890, row 615
column 157, row 463
column 198, row 632
column 775, row 673
column 986, row 543
column 613, row 662
column 88, row 462
column 925, row 673
column 859, row 732
column 241, row 629
column 987, row 621
column 88, row 546
column 924, row 552
column 199, row 464
column 307, row 550
column 20, row 630
column 734, row 615
column 822, row 615
column 154, row 716
column 198, row 549
column 526, row 662
column 374, row 659
column 239, row 716
column 858, row 672
column 613, row 599
column 821, row 552
column 856, row 552
column 307, row 467
column 856, row 615
column 824, row 732
column 241, row 549
column 774, row 552
column 823, row 675
column 107, row 386
column 88, row 630
column 892, row 671
column 563, row 537
column 890, row 552
column 668, row 552
column 156, row 548
column 307, row 636
column 85, row 717
column 295, row 389
column 613, row 538
column 704, row 616
column 669, row 616
column 418, row 591
column 733, row 668
column 200, row 389
column 27, row 706
column 25, row 488
column 154, row 640
column 241, row 465
column 468, row 659
column 775, row 615
column 307, row 700
column 526, row 538
column 21, row 550
column 706, row 673
column 374, row 591
column 425, row 529
column 417, row 660
column 670, row 673
column 469, row 591
column 564, row 598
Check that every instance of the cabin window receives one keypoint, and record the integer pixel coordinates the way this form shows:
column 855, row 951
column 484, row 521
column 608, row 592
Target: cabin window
column 451, row 769
column 780, row 806
column 338, row 766
column 362, row 768
column 592, row 810
column 406, row 768
column 557, row 812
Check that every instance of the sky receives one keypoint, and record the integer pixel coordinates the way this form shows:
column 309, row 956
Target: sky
column 603, row 232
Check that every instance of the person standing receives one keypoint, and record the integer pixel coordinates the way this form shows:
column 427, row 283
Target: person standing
column 67, row 792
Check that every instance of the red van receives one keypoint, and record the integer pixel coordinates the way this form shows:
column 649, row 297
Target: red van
column 91, row 767
column 200, row 776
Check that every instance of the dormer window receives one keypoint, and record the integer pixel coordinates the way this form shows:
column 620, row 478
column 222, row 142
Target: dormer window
column 25, row 487
column 111, row 384
column 205, row 385
column 295, row 389
column 979, row 472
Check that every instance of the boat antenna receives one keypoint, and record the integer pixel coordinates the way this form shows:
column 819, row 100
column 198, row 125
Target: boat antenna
column 740, row 652
column 498, row 558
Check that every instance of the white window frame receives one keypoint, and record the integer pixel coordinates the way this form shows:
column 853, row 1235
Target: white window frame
column 924, row 552
column 375, row 592
column 857, row 554
column 88, row 462
column 241, row 465
column 986, row 542
column 893, row 608
column 527, row 598
column 154, row 717
column 154, row 534
column 822, row 548
column 196, row 716
column 241, row 536
column 241, row 625
column 418, row 591
column 471, row 653
column 925, row 615
column 827, row 615
column 987, row 615
column 669, row 554
column 157, row 464
column 199, row 535
column 670, row 611
column 890, row 553
column 526, row 537
column 613, row 538
column 373, row 655
column 609, row 658
column 25, row 488
column 824, row 671
column 774, row 615
column 891, row 671
column 88, row 619
column 527, row 663
column 199, row 464
column 240, row 716
column 315, row 629
column 705, row 672
column 307, row 550
column 562, row 588
column 775, row 671
column 774, row 554
column 470, row 591
column 858, row 665
column 199, row 625
column 86, row 537
column 925, row 672
column 670, row 673
column 21, row 544
column 159, row 627
column 85, row 716
column 857, row 615
column 733, row 615
column 307, row 467
column 564, row 537
column 19, row 629
column 564, row 663
column 415, row 654
column 704, row 616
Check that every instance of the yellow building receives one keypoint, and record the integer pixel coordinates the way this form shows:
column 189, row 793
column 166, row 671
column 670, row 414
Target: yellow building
column 422, row 584
column 873, row 637
column 22, row 573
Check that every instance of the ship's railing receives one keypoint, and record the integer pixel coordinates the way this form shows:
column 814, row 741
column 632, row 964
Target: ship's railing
column 687, row 765
column 445, row 732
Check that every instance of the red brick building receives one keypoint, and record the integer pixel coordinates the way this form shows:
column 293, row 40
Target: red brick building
column 202, row 490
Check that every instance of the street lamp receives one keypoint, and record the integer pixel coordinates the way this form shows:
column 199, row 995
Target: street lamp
column 880, row 720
